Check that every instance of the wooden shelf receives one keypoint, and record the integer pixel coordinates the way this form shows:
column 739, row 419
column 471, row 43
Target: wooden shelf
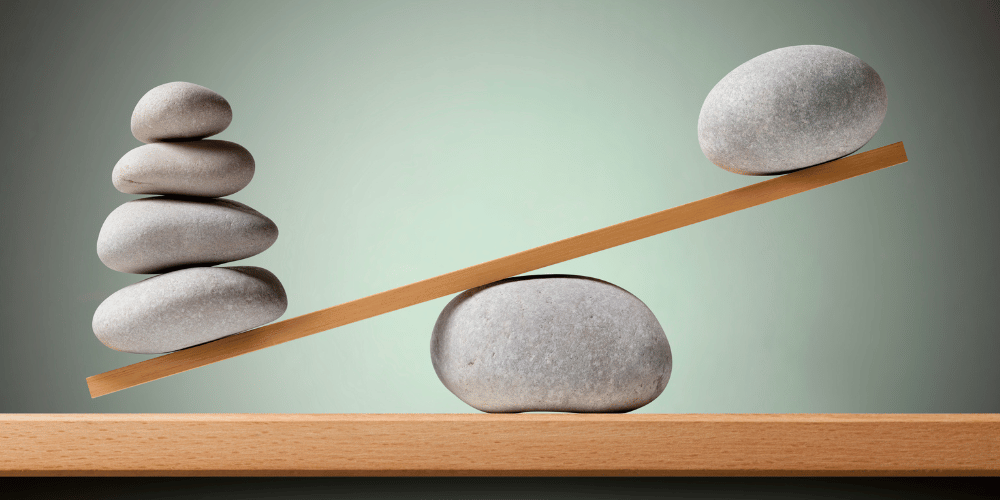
column 500, row 445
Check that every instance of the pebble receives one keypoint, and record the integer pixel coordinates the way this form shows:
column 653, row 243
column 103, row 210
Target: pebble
column 188, row 307
column 180, row 111
column 159, row 234
column 791, row 108
column 195, row 168
column 550, row 343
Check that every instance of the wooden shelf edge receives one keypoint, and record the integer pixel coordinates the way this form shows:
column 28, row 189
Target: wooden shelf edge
column 499, row 445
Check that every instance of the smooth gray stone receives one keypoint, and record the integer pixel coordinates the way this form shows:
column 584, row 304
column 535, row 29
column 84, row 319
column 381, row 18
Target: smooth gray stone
column 193, row 168
column 550, row 343
column 180, row 111
column 159, row 234
column 791, row 108
column 188, row 307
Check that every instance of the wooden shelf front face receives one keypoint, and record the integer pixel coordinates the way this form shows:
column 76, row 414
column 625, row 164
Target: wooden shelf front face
column 500, row 445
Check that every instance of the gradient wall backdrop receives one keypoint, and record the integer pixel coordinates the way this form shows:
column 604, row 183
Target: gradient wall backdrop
column 400, row 140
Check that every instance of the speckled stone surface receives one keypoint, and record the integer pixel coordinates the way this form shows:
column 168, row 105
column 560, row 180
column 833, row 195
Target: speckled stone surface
column 158, row 234
column 192, row 168
column 550, row 343
column 188, row 307
column 791, row 108
column 180, row 111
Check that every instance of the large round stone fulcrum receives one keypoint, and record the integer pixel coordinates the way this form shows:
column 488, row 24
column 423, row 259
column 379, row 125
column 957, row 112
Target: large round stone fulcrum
column 551, row 343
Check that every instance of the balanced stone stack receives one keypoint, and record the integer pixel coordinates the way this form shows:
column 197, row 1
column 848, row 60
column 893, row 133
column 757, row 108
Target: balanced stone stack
column 185, row 231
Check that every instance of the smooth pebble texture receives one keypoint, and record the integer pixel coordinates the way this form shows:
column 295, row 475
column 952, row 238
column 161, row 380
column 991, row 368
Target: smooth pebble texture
column 188, row 307
column 550, row 343
column 791, row 108
column 180, row 111
column 152, row 235
column 194, row 168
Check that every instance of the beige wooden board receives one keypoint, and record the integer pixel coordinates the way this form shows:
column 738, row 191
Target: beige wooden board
column 504, row 267
column 500, row 445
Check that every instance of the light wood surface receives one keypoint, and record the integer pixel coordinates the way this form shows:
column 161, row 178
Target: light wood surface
column 488, row 272
column 495, row 445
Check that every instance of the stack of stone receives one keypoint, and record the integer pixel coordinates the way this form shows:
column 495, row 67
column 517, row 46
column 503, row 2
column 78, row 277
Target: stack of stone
column 184, row 231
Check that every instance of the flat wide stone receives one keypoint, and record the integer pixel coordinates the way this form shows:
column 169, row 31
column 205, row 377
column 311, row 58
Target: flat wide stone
column 550, row 343
column 160, row 234
column 188, row 307
column 791, row 108
column 191, row 168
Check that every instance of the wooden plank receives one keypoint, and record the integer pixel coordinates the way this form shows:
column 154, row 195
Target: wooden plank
column 488, row 272
column 500, row 445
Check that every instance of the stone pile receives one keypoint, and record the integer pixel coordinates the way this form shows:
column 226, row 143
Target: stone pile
column 184, row 231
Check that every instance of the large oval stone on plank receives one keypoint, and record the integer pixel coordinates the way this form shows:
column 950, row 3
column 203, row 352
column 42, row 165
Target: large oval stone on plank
column 791, row 108
column 188, row 307
column 159, row 234
column 550, row 343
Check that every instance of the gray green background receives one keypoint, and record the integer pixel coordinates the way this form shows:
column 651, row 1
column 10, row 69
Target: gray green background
column 396, row 141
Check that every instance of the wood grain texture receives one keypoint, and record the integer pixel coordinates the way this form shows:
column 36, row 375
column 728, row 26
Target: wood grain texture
column 488, row 272
column 501, row 445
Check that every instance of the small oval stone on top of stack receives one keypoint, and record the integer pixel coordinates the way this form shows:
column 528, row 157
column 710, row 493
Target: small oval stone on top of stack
column 180, row 111
column 184, row 231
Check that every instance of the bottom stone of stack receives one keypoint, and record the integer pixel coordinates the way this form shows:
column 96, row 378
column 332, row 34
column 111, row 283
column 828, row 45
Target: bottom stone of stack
column 188, row 307
column 551, row 343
